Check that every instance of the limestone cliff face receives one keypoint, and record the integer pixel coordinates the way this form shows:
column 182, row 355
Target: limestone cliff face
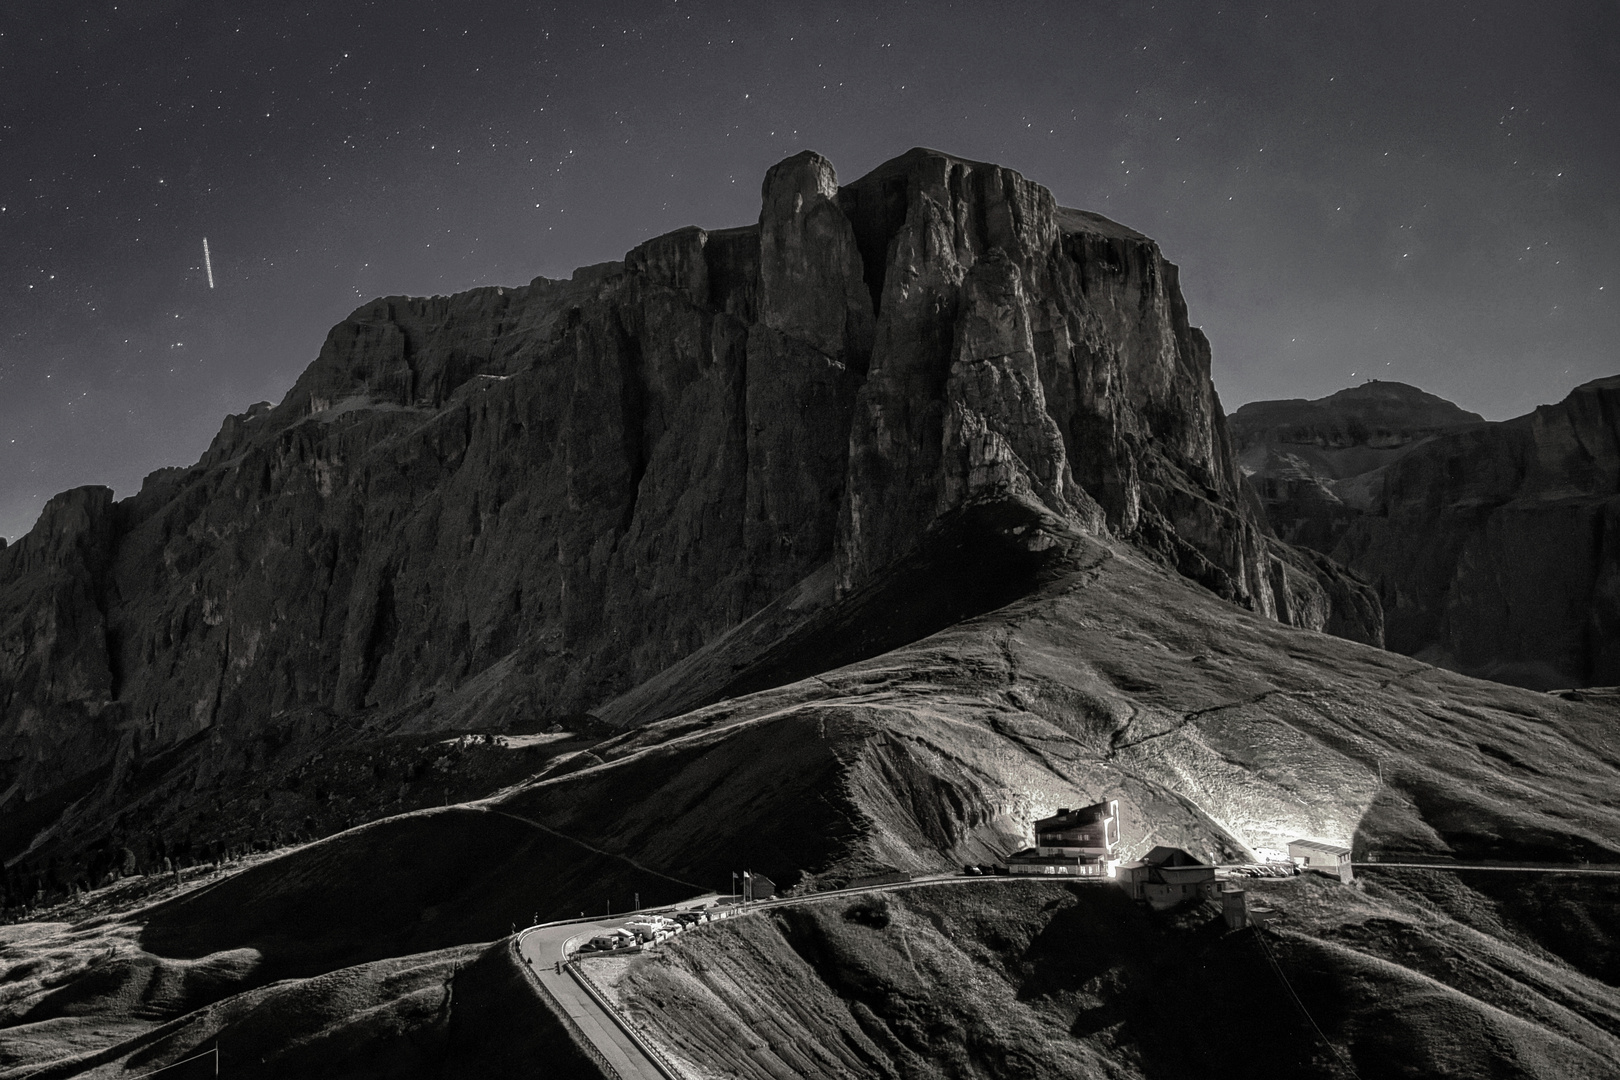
column 516, row 503
column 1495, row 547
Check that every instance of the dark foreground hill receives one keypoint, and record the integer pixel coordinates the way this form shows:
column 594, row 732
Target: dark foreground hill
column 856, row 540
column 1495, row 548
column 1039, row 979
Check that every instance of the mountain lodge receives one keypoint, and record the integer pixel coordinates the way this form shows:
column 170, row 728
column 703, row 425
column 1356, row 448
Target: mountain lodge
column 1072, row 843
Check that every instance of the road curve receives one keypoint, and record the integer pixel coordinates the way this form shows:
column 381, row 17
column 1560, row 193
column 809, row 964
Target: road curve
column 545, row 950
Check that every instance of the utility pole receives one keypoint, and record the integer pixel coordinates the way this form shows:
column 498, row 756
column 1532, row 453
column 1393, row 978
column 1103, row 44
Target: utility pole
column 638, row 902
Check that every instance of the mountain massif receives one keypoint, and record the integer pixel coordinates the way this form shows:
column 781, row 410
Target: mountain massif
column 850, row 541
column 1495, row 548
column 514, row 505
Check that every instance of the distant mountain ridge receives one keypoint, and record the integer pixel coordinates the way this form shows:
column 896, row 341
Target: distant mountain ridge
column 1495, row 547
column 1375, row 416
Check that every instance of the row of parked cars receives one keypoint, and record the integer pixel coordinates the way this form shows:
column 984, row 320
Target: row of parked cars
column 976, row 869
column 1259, row 870
column 644, row 930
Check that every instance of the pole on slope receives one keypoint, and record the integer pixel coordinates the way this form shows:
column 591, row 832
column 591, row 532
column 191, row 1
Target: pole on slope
column 216, row 1057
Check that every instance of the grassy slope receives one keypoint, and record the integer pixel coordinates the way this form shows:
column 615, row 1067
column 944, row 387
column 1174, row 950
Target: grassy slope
column 1219, row 730
column 1039, row 979
column 453, row 1013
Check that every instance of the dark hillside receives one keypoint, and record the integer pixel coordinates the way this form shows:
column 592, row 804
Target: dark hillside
column 1034, row 979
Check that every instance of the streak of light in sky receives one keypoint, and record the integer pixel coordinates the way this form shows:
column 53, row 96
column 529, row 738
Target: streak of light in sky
column 208, row 263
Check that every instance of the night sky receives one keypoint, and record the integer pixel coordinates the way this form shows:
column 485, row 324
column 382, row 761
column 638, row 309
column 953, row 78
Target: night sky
column 1424, row 192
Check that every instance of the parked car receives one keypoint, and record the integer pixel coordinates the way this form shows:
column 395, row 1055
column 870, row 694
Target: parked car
column 652, row 932
column 614, row 939
column 970, row 869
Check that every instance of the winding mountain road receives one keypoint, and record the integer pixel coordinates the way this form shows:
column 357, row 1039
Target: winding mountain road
column 545, row 951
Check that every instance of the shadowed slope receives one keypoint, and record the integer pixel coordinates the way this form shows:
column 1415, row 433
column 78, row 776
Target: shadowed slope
column 1031, row 978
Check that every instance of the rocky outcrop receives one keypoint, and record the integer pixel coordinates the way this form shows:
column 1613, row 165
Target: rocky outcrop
column 513, row 504
column 1495, row 548
column 58, row 687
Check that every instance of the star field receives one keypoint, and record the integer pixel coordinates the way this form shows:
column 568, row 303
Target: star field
column 1417, row 192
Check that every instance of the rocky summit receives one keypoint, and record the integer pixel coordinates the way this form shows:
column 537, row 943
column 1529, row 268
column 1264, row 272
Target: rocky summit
column 511, row 506
column 837, row 547
column 1495, row 548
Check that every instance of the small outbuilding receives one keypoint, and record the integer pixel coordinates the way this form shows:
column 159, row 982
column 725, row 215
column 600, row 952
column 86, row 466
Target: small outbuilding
column 1321, row 856
column 1168, row 876
column 1239, row 913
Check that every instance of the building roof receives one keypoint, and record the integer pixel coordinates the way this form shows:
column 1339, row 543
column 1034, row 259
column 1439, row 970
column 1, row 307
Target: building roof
column 1320, row 845
column 1085, row 815
column 1167, row 873
column 1170, row 856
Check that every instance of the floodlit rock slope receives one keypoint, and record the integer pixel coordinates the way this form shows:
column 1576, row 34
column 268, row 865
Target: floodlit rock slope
column 1495, row 548
column 509, row 506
